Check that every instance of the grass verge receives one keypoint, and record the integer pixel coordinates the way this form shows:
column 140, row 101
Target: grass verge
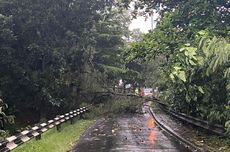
column 54, row 141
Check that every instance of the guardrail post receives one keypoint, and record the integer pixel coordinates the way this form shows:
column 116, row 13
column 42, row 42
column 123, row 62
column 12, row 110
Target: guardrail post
column 81, row 113
column 71, row 121
column 59, row 127
column 38, row 137
column 81, row 116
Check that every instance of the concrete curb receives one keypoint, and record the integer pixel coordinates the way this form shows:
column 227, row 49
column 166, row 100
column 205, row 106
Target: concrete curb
column 191, row 146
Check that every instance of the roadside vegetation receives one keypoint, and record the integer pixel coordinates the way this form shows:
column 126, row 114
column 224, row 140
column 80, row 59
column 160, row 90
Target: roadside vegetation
column 188, row 54
column 54, row 141
column 190, row 51
column 211, row 142
column 56, row 55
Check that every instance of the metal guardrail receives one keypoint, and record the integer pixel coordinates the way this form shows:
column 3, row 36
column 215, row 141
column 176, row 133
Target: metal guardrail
column 210, row 127
column 187, row 144
column 12, row 142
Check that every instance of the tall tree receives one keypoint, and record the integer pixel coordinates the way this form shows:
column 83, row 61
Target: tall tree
column 48, row 49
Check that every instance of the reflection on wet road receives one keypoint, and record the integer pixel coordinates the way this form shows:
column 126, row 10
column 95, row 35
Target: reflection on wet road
column 152, row 135
column 129, row 132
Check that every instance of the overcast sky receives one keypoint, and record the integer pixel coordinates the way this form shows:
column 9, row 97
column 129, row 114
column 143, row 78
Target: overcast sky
column 143, row 24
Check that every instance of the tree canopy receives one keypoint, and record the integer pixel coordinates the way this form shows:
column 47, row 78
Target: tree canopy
column 190, row 50
column 54, row 52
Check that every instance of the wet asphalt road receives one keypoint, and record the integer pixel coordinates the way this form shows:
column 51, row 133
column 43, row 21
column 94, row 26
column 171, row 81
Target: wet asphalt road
column 128, row 132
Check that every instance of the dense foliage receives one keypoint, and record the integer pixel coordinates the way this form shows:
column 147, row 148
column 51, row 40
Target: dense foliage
column 55, row 53
column 191, row 44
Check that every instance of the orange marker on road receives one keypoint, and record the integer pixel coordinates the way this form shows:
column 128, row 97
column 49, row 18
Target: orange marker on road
column 151, row 123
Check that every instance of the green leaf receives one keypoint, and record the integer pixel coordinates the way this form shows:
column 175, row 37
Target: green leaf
column 172, row 77
column 228, row 86
column 177, row 68
column 227, row 124
column 182, row 49
column 191, row 62
column 200, row 60
column 227, row 73
column 202, row 32
column 181, row 75
column 201, row 89
column 191, row 51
